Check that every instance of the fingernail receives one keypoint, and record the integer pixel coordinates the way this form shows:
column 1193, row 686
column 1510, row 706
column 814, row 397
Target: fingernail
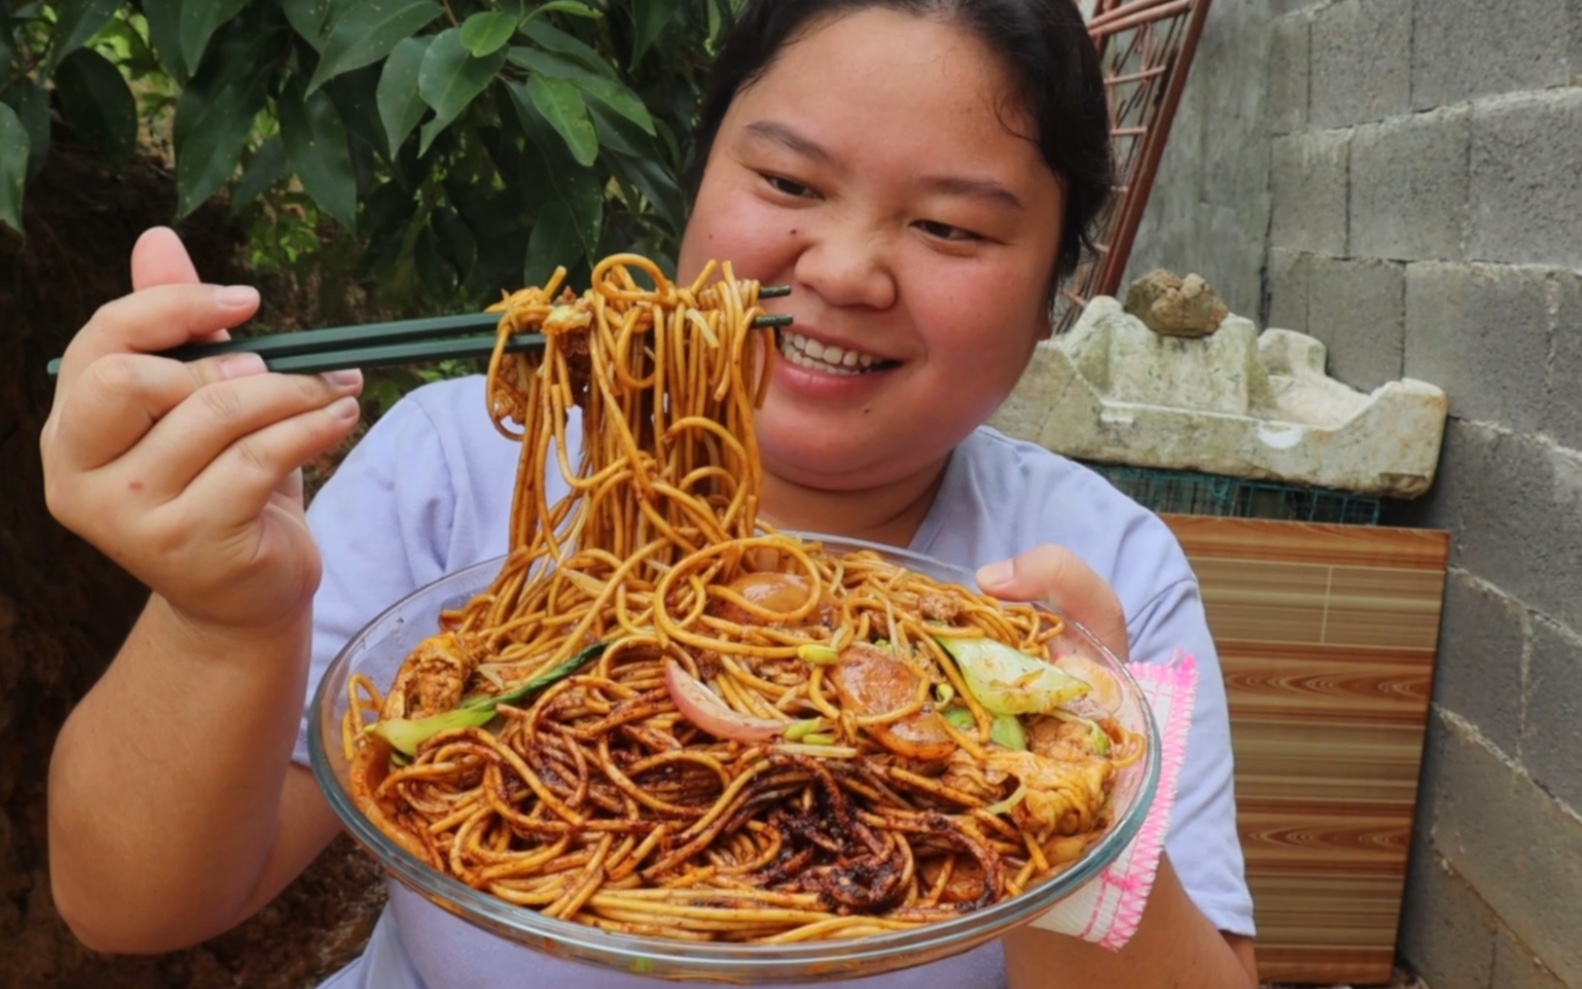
column 344, row 408
column 236, row 296
column 996, row 574
column 347, row 379
column 240, row 365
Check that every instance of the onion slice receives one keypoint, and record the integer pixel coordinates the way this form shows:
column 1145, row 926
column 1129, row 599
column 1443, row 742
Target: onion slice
column 706, row 712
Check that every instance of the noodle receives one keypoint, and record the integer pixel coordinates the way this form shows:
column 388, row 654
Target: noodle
column 664, row 718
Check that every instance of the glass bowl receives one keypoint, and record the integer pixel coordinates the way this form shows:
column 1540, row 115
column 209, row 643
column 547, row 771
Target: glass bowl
column 378, row 651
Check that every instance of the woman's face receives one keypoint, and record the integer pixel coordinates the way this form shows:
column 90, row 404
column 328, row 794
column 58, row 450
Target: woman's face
column 882, row 169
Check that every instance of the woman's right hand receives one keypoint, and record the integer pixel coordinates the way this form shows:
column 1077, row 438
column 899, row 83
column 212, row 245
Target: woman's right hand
column 187, row 474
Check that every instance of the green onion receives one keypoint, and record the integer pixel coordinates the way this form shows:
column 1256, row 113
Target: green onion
column 817, row 653
column 802, row 729
column 405, row 735
column 1096, row 733
column 1006, row 731
column 961, row 719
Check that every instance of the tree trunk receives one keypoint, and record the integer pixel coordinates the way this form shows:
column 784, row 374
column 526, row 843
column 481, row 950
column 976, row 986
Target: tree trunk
column 64, row 608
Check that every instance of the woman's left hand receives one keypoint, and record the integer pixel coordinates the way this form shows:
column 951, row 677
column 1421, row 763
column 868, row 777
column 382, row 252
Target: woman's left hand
column 1057, row 577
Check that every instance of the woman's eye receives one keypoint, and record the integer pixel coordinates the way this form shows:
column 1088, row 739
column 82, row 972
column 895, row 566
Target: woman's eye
column 788, row 187
column 945, row 231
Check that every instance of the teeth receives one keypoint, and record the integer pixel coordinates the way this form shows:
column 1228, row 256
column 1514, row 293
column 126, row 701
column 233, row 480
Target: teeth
column 817, row 356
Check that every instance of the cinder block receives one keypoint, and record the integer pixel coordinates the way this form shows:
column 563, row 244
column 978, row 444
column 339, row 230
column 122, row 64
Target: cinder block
column 1358, row 309
column 1517, row 847
column 1516, row 967
column 1481, row 332
column 1233, row 118
column 1467, row 48
column 1360, row 68
column 1526, row 180
column 1285, row 300
column 1551, row 738
column 1447, row 933
column 1478, row 674
column 1575, row 49
column 1288, row 73
column 1409, row 187
column 1563, row 408
column 1514, row 507
column 1308, row 184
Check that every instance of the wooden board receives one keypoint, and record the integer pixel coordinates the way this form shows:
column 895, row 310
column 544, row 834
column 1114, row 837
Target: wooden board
column 1327, row 635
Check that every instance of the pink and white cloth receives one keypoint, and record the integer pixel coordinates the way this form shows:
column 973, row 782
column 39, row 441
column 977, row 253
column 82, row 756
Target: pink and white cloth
column 1107, row 910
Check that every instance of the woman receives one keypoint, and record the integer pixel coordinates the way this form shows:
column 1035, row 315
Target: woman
column 920, row 173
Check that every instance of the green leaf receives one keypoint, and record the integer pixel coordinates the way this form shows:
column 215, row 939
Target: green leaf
column 486, row 32
column 550, row 64
column 6, row 54
column 618, row 98
column 561, row 104
column 214, row 115
column 619, row 135
column 602, row 88
column 164, row 31
column 455, row 241
column 657, row 185
column 32, row 109
column 355, row 95
column 308, row 18
column 267, row 167
column 96, row 101
column 571, row 7
column 450, row 78
column 572, row 197
column 650, row 20
column 13, row 167
column 367, row 32
column 556, row 40
column 129, row 50
column 75, row 22
column 556, row 241
column 433, row 274
column 199, row 20
column 401, row 106
column 317, row 150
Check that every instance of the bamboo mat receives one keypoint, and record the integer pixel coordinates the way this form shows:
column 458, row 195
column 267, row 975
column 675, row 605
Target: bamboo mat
column 1327, row 635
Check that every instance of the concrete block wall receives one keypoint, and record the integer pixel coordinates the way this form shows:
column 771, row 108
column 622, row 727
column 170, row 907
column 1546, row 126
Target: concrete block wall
column 1423, row 217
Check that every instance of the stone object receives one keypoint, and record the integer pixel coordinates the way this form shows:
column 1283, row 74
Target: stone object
column 1236, row 403
column 1174, row 306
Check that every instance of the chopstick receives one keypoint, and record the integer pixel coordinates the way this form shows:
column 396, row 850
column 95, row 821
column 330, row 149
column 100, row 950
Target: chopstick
column 410, row 341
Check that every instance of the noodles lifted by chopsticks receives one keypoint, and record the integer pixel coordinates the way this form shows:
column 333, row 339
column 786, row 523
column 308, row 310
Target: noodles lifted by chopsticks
column 664, row 718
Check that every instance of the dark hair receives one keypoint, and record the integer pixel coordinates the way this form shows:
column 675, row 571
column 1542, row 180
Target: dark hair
column 1043, row 44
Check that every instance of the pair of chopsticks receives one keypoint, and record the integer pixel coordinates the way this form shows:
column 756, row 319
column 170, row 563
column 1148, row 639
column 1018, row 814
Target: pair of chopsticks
column 410, row 341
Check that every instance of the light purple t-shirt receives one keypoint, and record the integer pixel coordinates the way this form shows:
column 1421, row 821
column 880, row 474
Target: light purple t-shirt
column 428, row 492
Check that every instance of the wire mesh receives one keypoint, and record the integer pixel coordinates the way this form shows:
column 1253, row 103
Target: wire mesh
column 1189, row 493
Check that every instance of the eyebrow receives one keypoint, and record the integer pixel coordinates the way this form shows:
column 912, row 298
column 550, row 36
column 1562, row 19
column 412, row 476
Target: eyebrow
column 985, row 189
column 777, row 133
column 950, row 185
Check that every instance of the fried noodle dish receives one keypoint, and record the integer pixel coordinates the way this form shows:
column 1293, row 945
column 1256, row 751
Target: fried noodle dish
column 666, row 718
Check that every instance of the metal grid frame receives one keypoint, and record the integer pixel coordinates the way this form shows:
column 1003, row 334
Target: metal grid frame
column 1146, row 48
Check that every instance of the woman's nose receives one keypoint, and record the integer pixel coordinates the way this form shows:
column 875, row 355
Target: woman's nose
column 848, row 267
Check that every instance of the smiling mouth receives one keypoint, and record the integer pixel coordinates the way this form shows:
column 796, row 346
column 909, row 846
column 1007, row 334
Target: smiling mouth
column 828, row 358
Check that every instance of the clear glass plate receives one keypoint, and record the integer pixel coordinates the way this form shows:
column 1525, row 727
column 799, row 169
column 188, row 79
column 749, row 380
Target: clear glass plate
column 377, row 652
